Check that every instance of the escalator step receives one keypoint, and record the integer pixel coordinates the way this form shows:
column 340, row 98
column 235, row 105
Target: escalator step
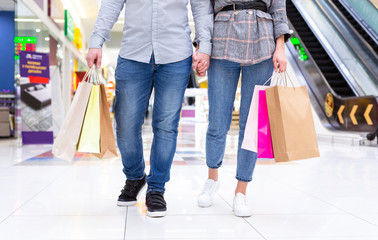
column 321, row 58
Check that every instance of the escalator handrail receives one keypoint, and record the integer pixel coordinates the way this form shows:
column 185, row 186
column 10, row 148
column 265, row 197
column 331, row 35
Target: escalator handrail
column 347, row 39
column 357, row 17
column 330, row 51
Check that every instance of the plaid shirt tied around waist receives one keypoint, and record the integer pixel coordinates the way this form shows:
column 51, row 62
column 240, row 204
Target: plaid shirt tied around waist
column 248, row 36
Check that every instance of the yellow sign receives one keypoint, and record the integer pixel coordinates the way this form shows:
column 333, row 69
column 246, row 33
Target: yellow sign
column 353, row 115
column 367, row 114
column 329, row 105
column 340, row 112
column 78, row 39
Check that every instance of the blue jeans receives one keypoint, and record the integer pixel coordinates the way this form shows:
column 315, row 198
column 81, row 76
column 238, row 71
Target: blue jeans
column 134, row 84
column 223, row 80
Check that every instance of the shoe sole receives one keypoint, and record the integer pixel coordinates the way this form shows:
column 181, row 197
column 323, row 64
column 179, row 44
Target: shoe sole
column 131, row 203
column 156, row 214
column 241, row 215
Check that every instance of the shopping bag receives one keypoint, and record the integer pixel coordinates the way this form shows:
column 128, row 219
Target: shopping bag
column 264, row 139
column 250, row 132
column 89, row 140
column 107, row 140
column 65, row 143
column 291, row 123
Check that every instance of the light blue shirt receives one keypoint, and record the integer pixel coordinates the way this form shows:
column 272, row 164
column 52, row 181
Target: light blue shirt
column 155, row 26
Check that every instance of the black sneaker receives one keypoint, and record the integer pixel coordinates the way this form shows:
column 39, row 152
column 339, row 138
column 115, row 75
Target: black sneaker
column 130, row 192
column 156, row 205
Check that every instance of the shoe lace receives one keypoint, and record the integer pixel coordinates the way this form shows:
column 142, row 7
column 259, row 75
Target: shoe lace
column 207, row 187
column 241, row 200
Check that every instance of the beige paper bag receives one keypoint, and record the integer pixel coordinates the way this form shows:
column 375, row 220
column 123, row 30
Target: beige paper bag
column 65, row 143
column 291, row 123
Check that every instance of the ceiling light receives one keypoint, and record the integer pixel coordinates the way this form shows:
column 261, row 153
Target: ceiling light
column 47, row 39
column 38, row 30
column 72, row 10
column 27, row 20
column 81, row 10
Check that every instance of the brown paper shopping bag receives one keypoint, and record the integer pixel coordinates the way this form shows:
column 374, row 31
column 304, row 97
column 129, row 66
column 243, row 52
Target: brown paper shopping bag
column 65, row 143
column 291, row 123
column 107, row 140
column 89, row 140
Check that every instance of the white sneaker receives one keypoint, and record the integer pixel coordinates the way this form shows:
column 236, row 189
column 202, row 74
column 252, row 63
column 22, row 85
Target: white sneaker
column 241, row 208
column 206, row 197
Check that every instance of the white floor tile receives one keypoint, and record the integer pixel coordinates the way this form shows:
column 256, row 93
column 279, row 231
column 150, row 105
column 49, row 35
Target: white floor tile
column 20, row 184
column 81, row 191
column 189, row 227
column 312, row 226
column 62, row 228
column 372, row 218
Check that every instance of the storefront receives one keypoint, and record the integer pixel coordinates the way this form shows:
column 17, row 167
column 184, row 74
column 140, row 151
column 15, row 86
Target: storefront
column 46, row 27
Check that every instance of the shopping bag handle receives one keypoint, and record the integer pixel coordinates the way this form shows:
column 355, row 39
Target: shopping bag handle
column 87, row 75
column 277, row 76
column 91, row 76
column 286, row 74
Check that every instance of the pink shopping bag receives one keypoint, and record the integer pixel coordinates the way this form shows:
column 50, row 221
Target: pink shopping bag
column 250, row 133
column 264, row 139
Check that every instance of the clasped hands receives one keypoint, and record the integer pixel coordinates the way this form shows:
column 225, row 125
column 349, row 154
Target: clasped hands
column 201, row 62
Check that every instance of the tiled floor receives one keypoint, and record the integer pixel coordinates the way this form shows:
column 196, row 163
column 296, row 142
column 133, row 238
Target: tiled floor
column 333, row 197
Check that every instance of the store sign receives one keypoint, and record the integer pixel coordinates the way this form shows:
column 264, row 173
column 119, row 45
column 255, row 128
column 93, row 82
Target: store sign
column 68, row 25
column 35, row 104
column 35, row 66
column 78, row 39
column 27, row 44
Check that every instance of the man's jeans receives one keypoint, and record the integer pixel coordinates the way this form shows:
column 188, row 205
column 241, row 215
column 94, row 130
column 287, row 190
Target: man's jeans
column 223, row 82
column 134, row 84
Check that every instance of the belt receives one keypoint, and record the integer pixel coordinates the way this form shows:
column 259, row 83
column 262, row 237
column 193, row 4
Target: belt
column 247, row 5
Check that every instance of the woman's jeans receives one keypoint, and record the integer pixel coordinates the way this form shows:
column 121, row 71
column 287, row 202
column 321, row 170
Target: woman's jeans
column 134, row 84
column 223, row 81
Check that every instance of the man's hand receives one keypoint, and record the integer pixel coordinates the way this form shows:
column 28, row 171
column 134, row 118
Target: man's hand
column 94, row 56
column 201, row 62
column 279, row 57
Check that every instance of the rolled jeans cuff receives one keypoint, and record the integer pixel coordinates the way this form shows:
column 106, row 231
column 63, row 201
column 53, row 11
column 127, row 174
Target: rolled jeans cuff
column 243, row 179
column 213, row 167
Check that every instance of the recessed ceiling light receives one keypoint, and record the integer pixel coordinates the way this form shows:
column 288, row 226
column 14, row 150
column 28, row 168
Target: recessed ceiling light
column 38, row 30
column 47, row 39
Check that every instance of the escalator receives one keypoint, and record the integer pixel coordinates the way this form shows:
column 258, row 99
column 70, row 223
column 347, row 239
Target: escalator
column 357, row 26
column 338, row 104
column 320, row 56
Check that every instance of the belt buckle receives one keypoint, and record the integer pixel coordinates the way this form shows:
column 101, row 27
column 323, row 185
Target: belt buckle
column 236, row 12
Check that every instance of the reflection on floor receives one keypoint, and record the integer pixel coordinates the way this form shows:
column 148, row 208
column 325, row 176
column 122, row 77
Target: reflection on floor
column 333, row 197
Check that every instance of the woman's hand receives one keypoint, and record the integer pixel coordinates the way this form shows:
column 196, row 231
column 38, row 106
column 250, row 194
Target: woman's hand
column 279, row 56
column 201, row 63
